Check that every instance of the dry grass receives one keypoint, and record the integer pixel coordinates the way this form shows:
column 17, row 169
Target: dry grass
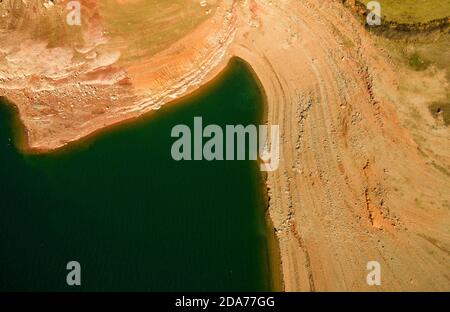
column 145, row 27
column 48, row 24
column 422, row 52
column 413, row 11
column 419, row 56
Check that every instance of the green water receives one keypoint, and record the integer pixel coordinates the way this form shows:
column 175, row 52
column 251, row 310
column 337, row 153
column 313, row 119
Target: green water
column 130, row 215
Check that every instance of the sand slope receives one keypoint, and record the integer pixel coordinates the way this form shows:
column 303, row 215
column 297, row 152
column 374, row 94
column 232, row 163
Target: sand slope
column 344, row 193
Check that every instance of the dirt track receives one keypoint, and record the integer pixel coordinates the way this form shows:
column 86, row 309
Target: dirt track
column 351, row 186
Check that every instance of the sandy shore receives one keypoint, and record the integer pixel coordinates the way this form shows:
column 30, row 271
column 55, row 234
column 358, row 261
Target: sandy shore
column 343, row 194
column 345, row 191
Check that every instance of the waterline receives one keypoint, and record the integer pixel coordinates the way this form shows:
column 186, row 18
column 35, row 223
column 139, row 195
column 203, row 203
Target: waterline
column 134, row 218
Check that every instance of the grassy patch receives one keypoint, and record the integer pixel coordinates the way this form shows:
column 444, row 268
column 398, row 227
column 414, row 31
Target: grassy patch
column 145, row 27
column 420, row 53
column 417, row 63
column 436, row 51
column 413, row 11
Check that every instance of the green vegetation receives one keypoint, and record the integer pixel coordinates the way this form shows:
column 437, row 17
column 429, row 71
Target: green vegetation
column 413, row 11
column 422, row 52
column 147, row 27
column 417, row 63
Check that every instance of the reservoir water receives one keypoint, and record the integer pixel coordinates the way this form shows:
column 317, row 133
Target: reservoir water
column 134, row 218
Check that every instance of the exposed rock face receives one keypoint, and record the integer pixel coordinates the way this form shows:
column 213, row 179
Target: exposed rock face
column 70, row 90
column 345, row 191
